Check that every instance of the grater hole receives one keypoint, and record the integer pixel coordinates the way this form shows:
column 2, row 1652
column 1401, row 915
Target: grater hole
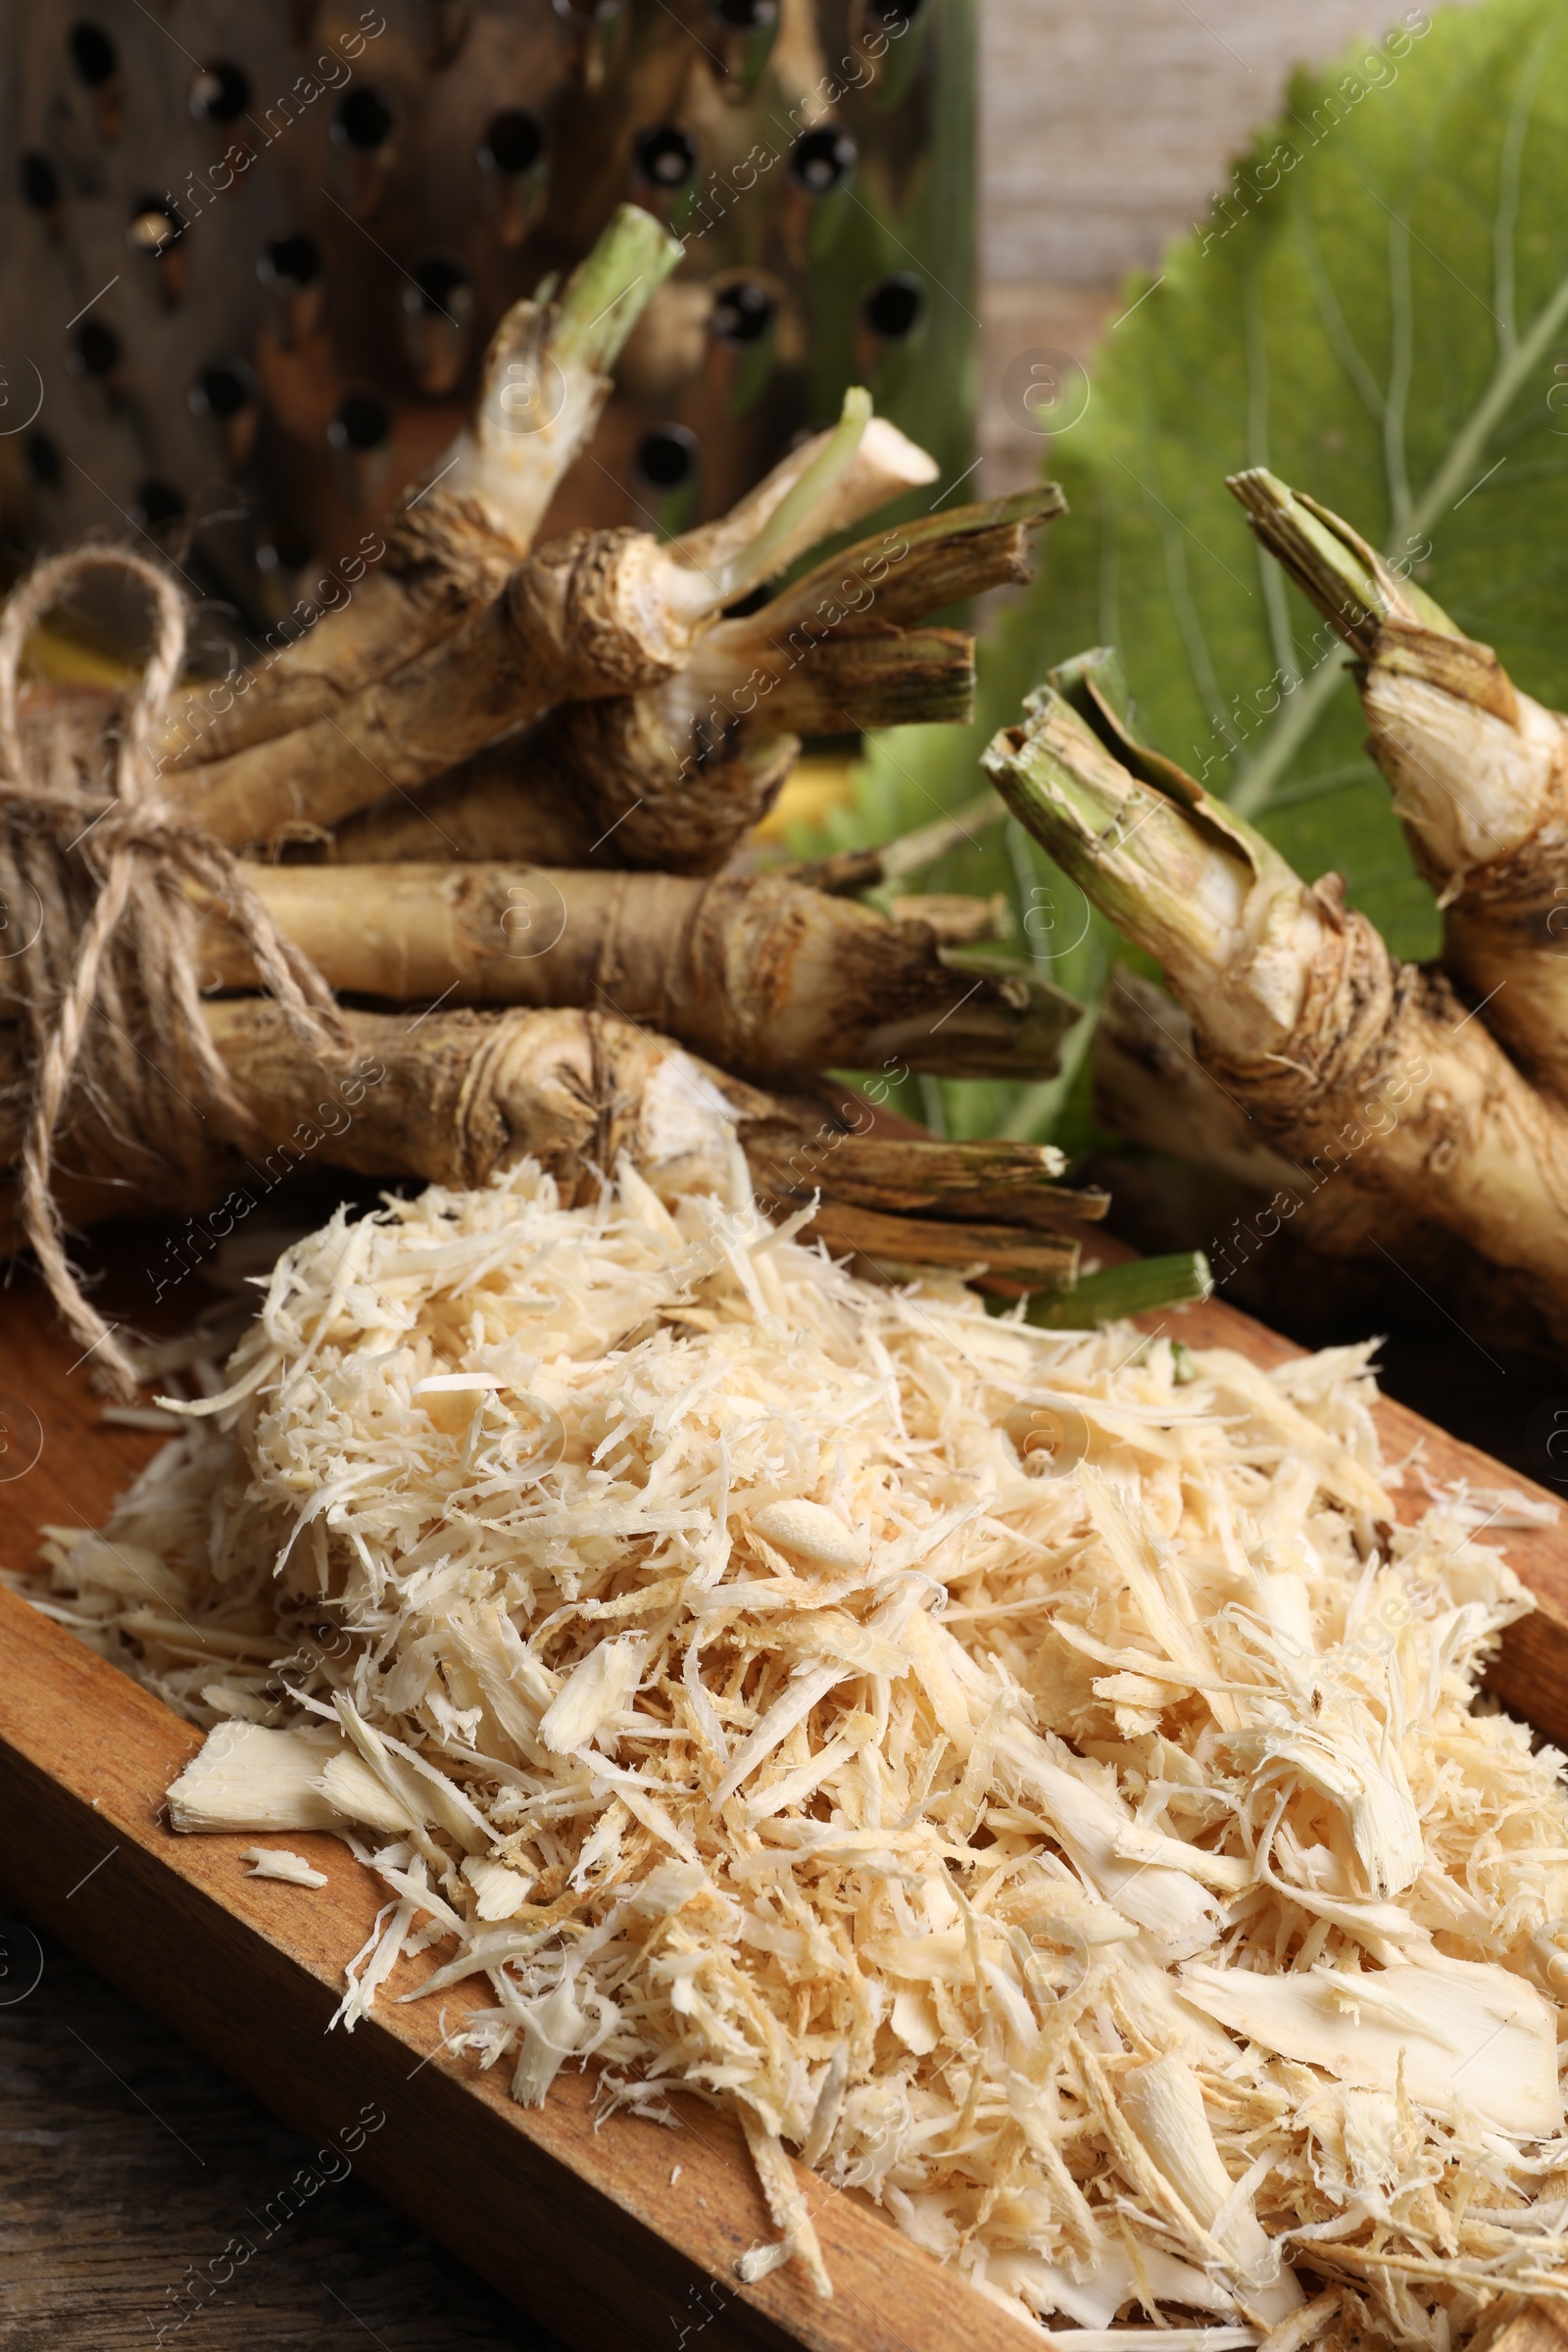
column 362, row 423
column 92, row 53
column 364, row 121
column 892, row 308
column 822, row 159
column 742, row 313
column 290, row 262
column 221, row 92
column 155, row 503
column 97, row 348
column 666, row 458
column 513, row 143
column 439, row 286
column 45, row 466
column 222, row 390
column 39, row 181
column 666, row 157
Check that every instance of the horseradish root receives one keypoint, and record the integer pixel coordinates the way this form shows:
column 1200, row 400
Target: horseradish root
column 449, row 1098
column 1339, row 1053
column 458, row 1098
column 1031, row 1775
column 900, row 574
column 455, row 1097
column 582, row 616
column 455, row 536
column 831, row 482
column 1152, row 1090
column 755, row 972
column 649, row 781
column 596, row 614
column 543, row 796
column 674, row 776
column 1478, row 771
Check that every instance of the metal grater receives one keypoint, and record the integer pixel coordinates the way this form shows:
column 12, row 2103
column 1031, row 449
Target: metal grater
column 250, row 255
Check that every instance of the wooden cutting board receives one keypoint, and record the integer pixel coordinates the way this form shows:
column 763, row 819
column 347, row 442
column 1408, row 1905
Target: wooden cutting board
column 625, row 2234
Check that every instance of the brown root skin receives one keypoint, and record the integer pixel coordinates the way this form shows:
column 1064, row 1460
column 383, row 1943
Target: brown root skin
column 446, row 1097
column 673, row 777
column 677, row 788
column 465, row 1094
column 1152, row 1088
column 1480, row 779
column 1505, row 940
column 957, row 918
column 629, row 781
column 1310, row 1253
column 577, row 620
column 454, row 1098
column 868, row 673
column 843, row 874
column 593, row 785
column 901, row 573
column 443, row 560
column 1387, row 1075
column 751, row 971
column 977, row 1182
column 888, row 1244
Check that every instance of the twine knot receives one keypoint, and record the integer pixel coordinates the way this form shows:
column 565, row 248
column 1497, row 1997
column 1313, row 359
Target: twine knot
column 102, row 882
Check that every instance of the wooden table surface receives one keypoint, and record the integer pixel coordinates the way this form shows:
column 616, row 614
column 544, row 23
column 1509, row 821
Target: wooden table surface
column 125, row 2157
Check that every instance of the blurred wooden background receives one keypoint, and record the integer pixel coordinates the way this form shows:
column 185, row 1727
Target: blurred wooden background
column 1105, row 127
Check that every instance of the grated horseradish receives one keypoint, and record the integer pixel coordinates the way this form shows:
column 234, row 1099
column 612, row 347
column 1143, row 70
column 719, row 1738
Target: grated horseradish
column 1025, row 1773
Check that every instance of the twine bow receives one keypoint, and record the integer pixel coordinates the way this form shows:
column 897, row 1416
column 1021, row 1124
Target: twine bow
column 110, row 874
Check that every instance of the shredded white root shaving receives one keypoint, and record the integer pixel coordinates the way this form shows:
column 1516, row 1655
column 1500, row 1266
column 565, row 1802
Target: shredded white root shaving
column 278, row 1862
column 1094, row 1854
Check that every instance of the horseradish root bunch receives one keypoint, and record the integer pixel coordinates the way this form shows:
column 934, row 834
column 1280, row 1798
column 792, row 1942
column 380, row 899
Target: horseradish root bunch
column 1031, row 1777
column 508, row 776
